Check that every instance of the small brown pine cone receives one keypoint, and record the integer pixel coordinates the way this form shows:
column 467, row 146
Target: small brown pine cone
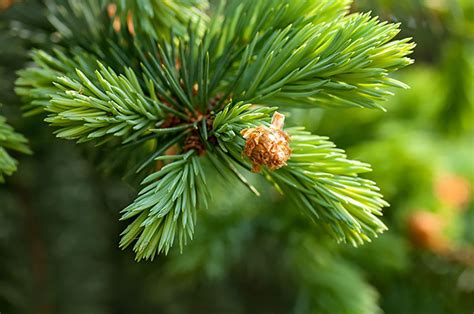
column 267, row 146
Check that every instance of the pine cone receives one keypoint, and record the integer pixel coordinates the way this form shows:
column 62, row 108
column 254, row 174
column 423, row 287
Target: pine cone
column 267, row 146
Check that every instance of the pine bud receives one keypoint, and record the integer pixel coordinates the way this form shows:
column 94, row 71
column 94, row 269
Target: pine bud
column 267, row 146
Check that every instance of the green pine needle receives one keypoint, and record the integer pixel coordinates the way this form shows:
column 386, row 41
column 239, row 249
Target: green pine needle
column 116, row 105
column 166, row 208
column 157, row 17
column 10, row 140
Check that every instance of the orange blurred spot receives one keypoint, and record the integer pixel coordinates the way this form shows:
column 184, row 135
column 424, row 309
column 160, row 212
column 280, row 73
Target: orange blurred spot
column 195, row 89
column 453, row 190
column 116, row 24
column 178, row 64
column 130, row 26
column 5, row 4
column 111, row 9
column 426, row 231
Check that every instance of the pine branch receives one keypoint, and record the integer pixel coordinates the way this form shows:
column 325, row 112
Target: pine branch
column 107, row 28
column 167, row 95
column 238, row 22
column 80, row 23
column 115, row 106
column 165, row 209
column 340, row 63
column 322, row 181
column 318, row 178
column 36, row 85
column 180, row 74
column 10, row 140
column 156, row 17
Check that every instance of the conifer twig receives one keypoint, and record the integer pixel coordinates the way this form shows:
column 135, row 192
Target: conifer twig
column 194, row 82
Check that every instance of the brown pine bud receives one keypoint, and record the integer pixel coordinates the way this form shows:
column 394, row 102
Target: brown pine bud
column 267, row 146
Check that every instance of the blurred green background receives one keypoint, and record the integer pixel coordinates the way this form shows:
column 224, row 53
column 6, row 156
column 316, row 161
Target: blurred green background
column 59, row 213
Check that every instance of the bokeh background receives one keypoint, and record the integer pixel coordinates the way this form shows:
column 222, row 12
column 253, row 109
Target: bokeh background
column 59, row 213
